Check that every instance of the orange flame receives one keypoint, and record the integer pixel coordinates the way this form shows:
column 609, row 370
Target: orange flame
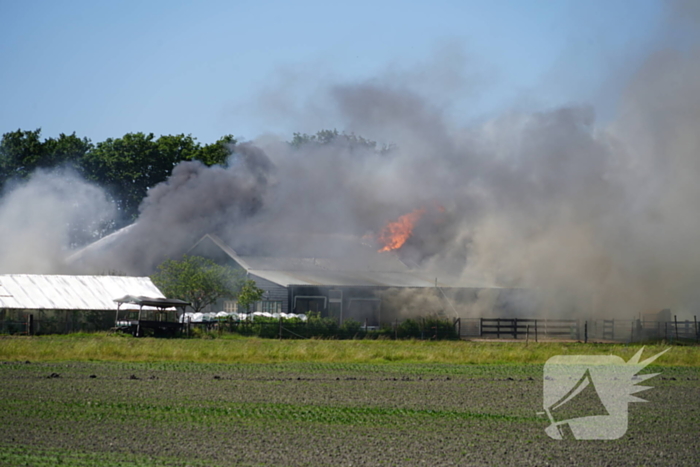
column 395, row 234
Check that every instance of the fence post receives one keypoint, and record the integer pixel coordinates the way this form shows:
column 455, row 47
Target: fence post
column 396, row 329
column 527, row 334
column 515, row 328
column 498, row 328
column 30, row 325
column 675, row 322
column 585, row 332
column 578, row 330
column 535, row 330
column 280, row 327
column 481, row 327
column 613, row 329
column 595, row 328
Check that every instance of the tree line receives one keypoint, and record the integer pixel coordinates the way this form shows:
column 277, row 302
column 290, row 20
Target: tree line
column 126, row 167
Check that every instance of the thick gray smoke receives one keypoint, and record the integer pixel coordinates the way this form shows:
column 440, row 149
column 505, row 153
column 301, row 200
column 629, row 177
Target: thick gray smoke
column 42, row 218
column 595, row 217
column 195, row 200
column 401, row 303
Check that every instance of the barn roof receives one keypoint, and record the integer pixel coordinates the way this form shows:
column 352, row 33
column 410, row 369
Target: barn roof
column 350, row 278
column 365, row 270
column 63, row 292
column 102, row 245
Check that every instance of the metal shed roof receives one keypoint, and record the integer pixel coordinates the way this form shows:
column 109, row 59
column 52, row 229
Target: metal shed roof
column 370, row 269
column 375, row 262
column 410, row 279
column 159, row 303
column 61, row 292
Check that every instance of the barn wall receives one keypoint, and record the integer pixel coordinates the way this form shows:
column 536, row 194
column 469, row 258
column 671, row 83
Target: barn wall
column 358, row 303
column 274, row 292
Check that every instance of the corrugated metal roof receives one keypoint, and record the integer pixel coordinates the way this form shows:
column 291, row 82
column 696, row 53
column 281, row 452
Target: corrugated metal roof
column 361, row 260
column 60, row 292
column 385, row 262
column 364, row 279
column 102, row 245
column 159, row 303
column 363, row 270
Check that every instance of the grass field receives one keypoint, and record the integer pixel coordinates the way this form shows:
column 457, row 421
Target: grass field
column 103, row 347
column 103, row 400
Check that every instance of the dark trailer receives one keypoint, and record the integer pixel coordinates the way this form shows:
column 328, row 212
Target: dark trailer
column 159, row 316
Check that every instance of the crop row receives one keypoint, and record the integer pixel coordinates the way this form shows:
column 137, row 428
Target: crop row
column 317, row 414
column 236, row 413
column 51, row 457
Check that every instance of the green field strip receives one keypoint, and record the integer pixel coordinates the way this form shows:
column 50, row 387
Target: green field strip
column 102, row 347
column 238, row 412
column 37, row 456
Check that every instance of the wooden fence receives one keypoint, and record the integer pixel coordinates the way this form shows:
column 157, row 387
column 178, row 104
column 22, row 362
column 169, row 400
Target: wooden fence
column 522, row 328
column 611, row 330
column 640, row 330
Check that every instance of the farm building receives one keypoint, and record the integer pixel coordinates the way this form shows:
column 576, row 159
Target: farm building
column 337, row 275
column 62, row 303
column 366, row 286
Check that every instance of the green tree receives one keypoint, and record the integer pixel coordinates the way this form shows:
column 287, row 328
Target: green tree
column 350, row 141
column 127, row 167
column 197, row 280
column 130, row 165
column 249, row 294
column 217, row 153
column 22, row 152
column 19, row 151
column 66, row 149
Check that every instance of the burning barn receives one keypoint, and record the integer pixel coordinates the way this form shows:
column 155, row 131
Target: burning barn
column 372, row 279
column 368, row 286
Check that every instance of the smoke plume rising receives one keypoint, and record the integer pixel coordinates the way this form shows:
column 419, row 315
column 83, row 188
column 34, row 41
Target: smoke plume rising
column 42, row 218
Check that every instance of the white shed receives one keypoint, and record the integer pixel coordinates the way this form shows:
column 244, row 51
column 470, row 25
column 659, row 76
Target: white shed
column 61, row 303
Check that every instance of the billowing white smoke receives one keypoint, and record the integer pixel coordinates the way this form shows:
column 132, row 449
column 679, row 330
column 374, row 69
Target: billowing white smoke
column 43, row 217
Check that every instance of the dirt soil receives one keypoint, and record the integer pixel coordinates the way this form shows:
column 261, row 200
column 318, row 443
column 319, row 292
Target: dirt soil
column 320, row 414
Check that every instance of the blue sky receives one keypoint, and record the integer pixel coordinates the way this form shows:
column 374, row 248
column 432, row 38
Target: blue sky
column 102, row 69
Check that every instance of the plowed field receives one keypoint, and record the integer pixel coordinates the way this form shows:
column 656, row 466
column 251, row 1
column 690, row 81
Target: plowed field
column 85, row 413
